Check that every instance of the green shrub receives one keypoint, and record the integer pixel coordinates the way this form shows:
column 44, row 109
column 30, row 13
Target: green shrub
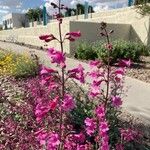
column 85, row 51
column 121, row 50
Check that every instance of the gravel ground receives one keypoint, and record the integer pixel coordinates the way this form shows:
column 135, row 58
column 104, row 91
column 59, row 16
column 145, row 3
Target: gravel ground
column 141, row 70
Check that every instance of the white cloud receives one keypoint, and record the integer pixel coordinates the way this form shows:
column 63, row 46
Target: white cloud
column 110, row 5
column 4, row 11
column 10, row 3
column 97, row 4
column 4, row 7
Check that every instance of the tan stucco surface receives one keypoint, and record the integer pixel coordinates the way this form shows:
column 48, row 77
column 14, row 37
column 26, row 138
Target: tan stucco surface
column 127, row 24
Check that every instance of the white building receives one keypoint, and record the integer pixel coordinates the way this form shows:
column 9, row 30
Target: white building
column 14, row 20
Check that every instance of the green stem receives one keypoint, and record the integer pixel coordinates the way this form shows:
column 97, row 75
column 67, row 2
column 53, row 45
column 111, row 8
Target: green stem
column 108, row 71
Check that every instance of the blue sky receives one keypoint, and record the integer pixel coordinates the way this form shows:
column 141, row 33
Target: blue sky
column 7, row 6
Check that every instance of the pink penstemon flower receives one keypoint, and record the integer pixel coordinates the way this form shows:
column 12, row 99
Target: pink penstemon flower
column 119, row 74
column 57, row 57
column 77, row 73
column 124, row 63
column 94, row 91
column 95, row 63
column 129, row 134
column 74, row 34
column 68, row 103
column 41, row 136
column 47, row 38
column 95, row 88
column 103, row 128
column 71, row 36
column 116, row 101
column 53, row 103
column 40, row 111
column 90, row 126
column 100, row 112
column 95, row 74
column 53, row 141
column 46, row 70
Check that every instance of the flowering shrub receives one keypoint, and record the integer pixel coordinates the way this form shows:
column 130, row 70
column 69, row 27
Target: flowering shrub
column 17, row 65
column 99, row 128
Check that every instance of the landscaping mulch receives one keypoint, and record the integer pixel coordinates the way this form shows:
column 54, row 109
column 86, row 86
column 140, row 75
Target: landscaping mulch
column 14, row 89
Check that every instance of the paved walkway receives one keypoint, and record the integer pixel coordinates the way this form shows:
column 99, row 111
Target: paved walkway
column 136, row 102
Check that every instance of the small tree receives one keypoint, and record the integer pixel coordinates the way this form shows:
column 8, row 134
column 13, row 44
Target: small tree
column 38, row 14
column 30, row 15
column 34, row 14
column 143, row 6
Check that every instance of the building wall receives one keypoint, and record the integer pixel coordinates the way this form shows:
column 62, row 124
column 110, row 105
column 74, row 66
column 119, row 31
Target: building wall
column 91, row 32
column 18, row 20
column 6, row 22
column 31, row 35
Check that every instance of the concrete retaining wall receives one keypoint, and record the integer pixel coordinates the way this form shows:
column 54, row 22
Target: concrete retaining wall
column 91, row 32
column 126, row 23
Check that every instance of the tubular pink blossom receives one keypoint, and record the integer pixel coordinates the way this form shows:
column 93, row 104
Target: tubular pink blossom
column 100, row 112
column 46, row 70
column 125, row 63
column 41, row 136
column 103, row 128
column 57, row 57
column 40, row 111
column 53, row 103
column 95, row 63
column 77, row 73
column 68, row 103
column 95, row 89
column 53, row 141
column 45, row 37
column 95, row 74
column 50, row 39
column 90, row 126
column 70, row 38
column 74, row 34
column 116, row 101
column 119, row 73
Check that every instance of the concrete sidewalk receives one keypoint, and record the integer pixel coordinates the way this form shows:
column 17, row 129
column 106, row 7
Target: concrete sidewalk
column 137, row 101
